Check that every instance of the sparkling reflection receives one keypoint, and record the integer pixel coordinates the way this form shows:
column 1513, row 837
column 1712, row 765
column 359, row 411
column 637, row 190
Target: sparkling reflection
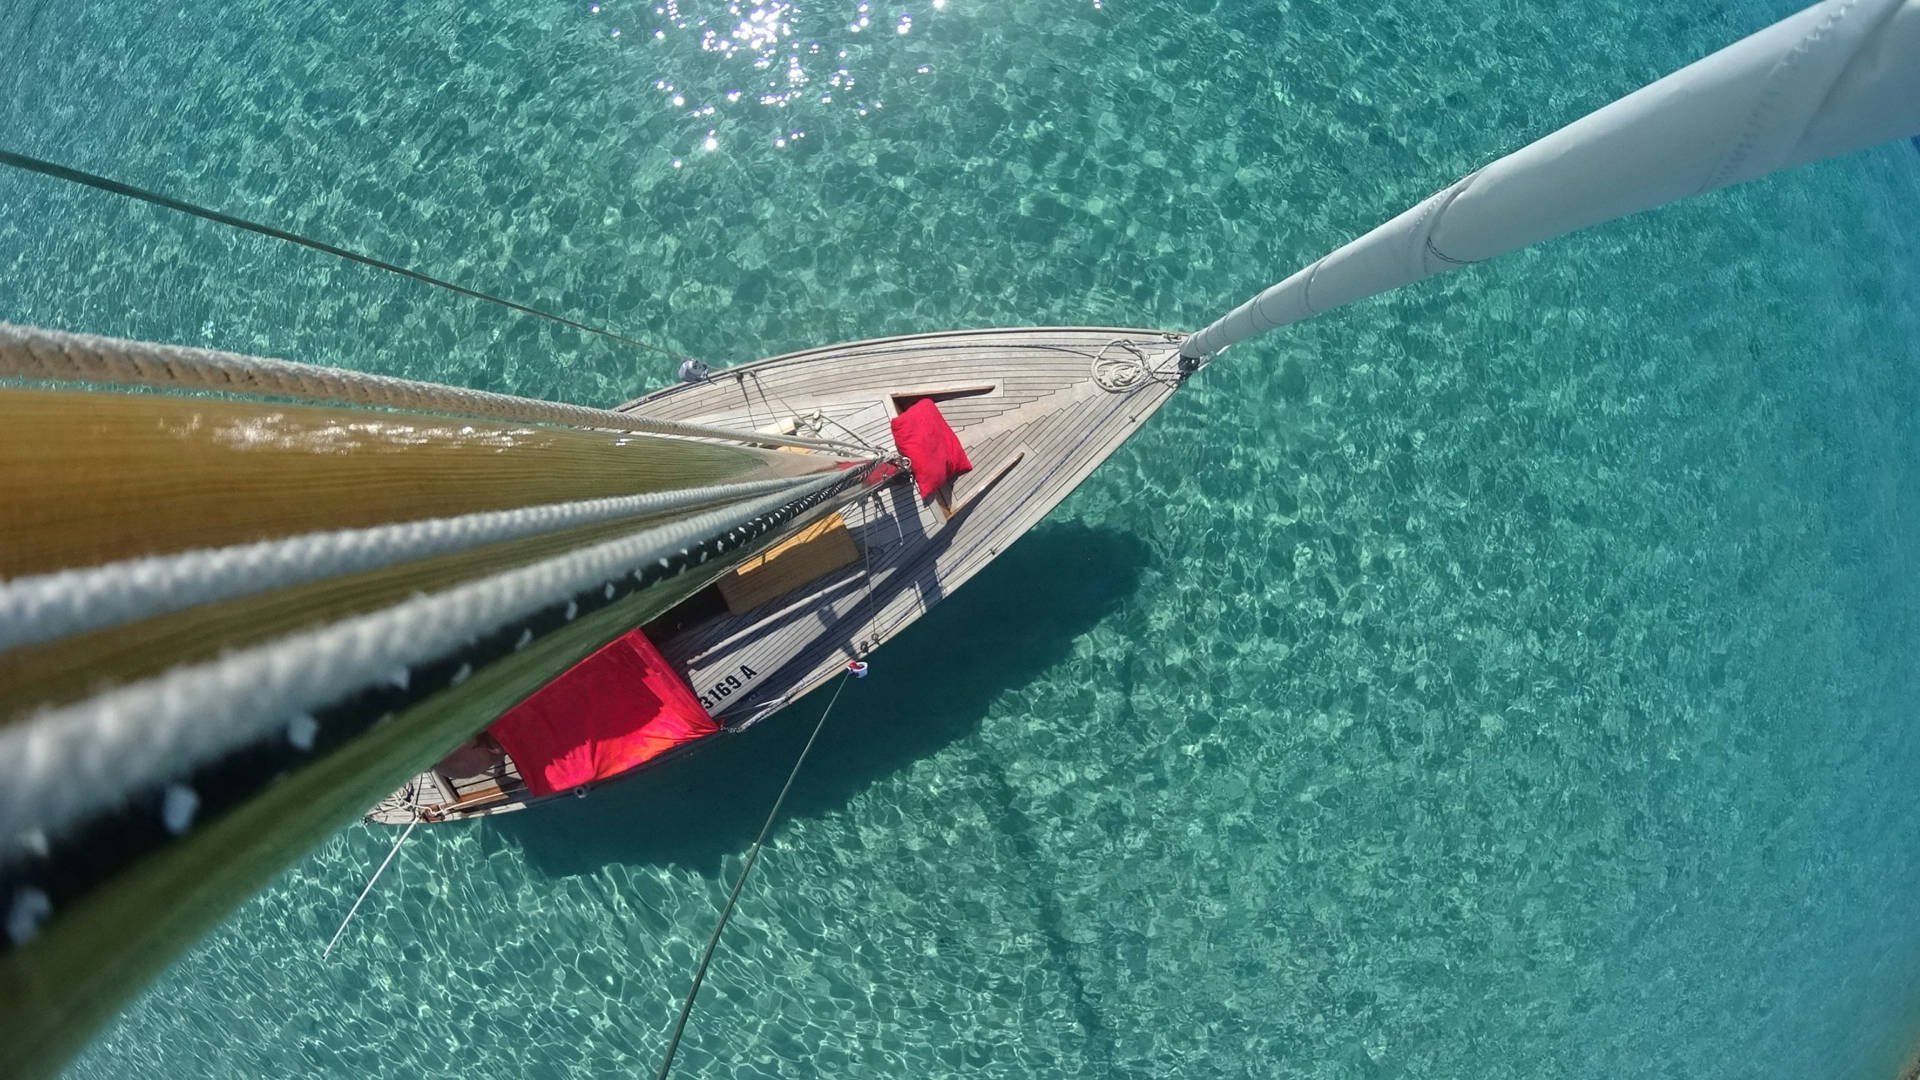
column 770, row 55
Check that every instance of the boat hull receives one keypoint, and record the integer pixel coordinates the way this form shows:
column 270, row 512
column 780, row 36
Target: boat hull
column 1037, row 411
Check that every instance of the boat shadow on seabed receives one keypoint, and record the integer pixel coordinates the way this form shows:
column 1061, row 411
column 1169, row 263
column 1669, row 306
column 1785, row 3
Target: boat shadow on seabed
column 1018, row 618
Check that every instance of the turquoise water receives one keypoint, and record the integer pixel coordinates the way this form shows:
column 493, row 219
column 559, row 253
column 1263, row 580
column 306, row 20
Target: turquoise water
column 1511, row 677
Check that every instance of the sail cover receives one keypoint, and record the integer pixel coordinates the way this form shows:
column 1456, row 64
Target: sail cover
column 1837, row 77
column 612, row 711
column 928, row 441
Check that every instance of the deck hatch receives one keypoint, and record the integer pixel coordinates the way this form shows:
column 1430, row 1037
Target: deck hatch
column 902, row 400
column 806, row 557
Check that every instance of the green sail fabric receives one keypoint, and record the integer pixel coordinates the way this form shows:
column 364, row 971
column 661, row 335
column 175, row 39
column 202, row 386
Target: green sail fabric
column 422, row 576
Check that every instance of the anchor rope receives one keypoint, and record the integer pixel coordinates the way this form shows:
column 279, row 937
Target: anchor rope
column 352, row 911
column 855, row 669
column 733, row 898
column 101, row 183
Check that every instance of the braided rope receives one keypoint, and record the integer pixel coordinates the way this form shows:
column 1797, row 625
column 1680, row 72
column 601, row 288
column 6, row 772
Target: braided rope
column 28, row 352
column 48, row 606
column 73, row 760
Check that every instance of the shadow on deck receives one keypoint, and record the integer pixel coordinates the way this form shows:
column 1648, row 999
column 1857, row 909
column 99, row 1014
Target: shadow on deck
column 930, row 687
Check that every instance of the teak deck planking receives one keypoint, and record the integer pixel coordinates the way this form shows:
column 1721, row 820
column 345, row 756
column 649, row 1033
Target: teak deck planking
column 1041, row 426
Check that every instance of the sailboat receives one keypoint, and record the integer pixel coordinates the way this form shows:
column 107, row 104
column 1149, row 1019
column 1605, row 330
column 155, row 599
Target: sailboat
column 1033, row 412
column 241, row 600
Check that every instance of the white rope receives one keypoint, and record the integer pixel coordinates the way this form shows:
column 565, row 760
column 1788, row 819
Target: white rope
column 69, row 761
column 28, row 352
column 48, row 606
column 328, row 951
column 1120, row 373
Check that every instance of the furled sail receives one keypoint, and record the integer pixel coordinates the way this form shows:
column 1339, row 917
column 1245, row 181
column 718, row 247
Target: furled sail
column 1837, row 77
column 228, row 626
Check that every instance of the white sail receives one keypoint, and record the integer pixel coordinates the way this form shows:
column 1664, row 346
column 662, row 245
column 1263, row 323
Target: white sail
column 1840, row 76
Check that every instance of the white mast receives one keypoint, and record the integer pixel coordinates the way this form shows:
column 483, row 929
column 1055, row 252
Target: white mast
column 1840, row 76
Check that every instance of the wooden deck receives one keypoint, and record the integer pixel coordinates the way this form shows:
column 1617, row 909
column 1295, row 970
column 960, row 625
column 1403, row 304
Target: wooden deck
column 1035, row 422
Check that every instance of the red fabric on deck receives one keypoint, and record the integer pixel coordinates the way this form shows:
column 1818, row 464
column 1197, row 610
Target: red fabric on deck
column 882, row 472
column 606, row 714
column 928, row 440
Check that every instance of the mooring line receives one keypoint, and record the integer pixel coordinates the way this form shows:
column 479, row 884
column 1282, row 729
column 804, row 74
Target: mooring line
column 706, row 958
column 363, row 892
column 102, row 183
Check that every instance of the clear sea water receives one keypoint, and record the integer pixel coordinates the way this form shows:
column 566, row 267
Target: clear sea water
column 1511, row 677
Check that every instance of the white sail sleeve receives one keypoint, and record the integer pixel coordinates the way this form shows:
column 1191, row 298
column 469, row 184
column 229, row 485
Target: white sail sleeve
column 1840, row 76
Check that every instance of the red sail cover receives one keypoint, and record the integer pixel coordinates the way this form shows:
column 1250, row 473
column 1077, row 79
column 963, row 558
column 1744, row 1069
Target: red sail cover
column 928, row 440
column 606, row 714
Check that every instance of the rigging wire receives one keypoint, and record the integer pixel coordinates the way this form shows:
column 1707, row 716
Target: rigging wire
column 706, row 958
column 62, row 172
column 858, row 439
column 352, row 911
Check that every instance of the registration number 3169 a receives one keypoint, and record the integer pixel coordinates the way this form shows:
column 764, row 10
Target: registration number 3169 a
column 719, row 692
